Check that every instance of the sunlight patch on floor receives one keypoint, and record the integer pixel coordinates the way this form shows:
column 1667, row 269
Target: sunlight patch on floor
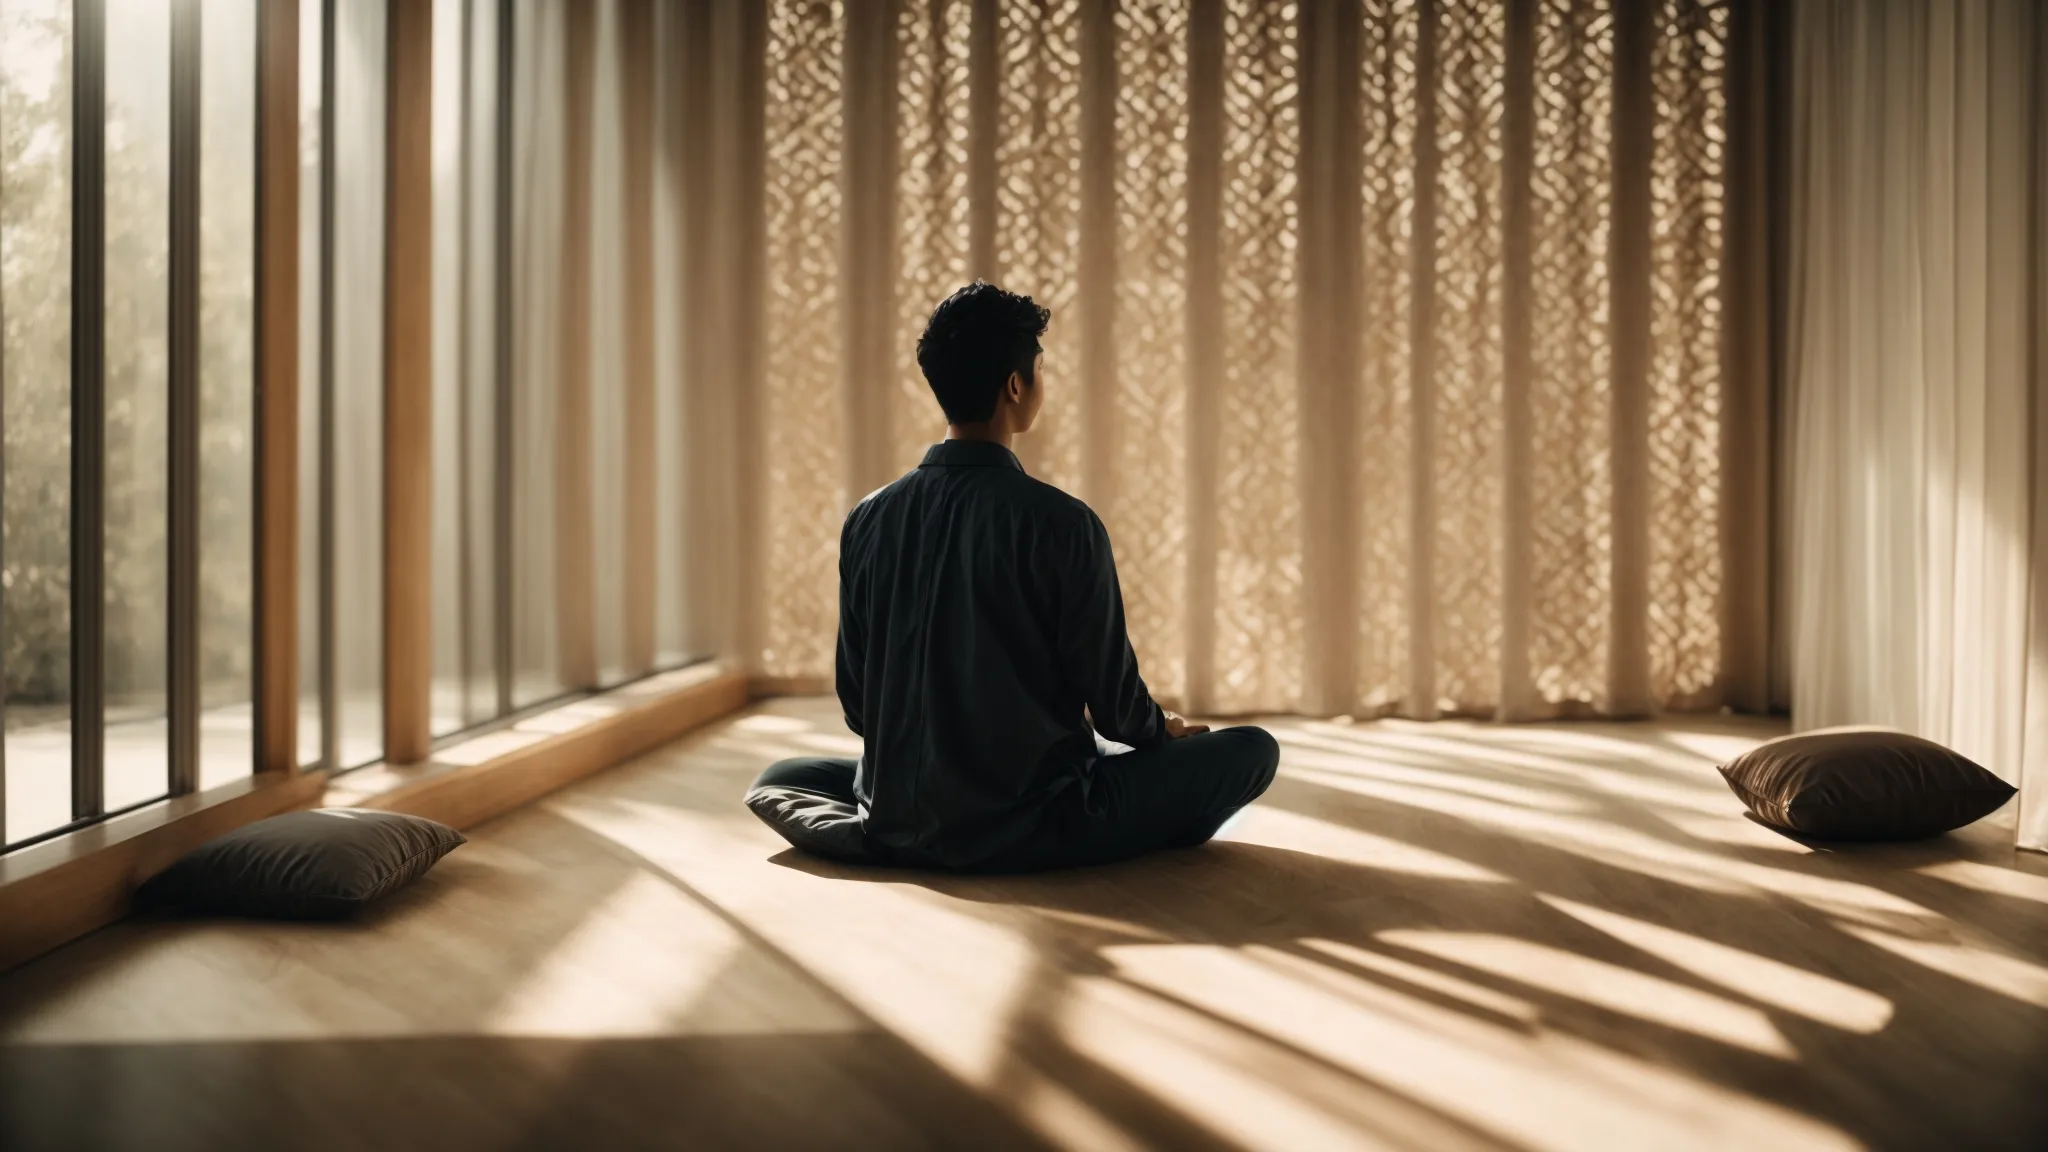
column 1624, row 991
column 1618, row 845
column 646, row 962
column 1734, row 830
column 876, row 943
column 1301, row 752
column 1710, row 747
column 1629, row 771
column 1244, row 1088
column 1644, row 745
column 840, row 744
column 770, row 724
column 1428, row 979
column 1531, row 1089
column 1987, row 878
column 1279, row 828
column 1845, row 899
column 1994, row 971
column 1590, row 837
column 1063, row 1117
column 1778, row 984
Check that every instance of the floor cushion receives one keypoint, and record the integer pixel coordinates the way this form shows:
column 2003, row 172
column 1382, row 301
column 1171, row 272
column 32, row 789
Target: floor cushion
column 318, row 864
column 1863, row 784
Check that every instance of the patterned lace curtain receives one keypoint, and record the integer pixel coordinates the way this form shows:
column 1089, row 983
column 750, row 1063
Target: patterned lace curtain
column 1398, row 342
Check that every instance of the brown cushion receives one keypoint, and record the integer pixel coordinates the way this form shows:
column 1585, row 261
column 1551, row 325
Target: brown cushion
column 1863, row 784
column 320, row 864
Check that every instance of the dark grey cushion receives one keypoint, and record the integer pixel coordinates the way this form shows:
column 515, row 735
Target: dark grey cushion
column 817, row 823
column 319, row 864
column 1863, row 784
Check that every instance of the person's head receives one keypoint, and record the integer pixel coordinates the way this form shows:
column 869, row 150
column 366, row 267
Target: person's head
column 980, row 354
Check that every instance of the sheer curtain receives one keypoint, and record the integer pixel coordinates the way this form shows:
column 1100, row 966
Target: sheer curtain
column 1914, row 371
column 1404, row 345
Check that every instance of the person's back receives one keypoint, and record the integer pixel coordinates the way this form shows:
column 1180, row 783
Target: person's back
column 982, row 646
column 989, row 587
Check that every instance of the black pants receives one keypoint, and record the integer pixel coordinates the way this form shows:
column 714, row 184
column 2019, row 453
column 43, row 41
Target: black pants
column 1174, row 796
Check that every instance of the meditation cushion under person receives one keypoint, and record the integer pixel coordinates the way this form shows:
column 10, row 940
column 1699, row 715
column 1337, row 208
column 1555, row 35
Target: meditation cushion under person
column 314, row 865
column 812, row 821
column 1863, row 784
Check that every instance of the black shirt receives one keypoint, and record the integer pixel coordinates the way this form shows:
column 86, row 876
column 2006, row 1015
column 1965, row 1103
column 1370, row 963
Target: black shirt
column 978, row 613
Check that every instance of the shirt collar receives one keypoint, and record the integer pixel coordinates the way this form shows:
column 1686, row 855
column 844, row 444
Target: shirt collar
column 968, row 454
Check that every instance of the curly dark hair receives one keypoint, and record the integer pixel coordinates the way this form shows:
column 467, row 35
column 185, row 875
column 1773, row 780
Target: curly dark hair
column 975, row 339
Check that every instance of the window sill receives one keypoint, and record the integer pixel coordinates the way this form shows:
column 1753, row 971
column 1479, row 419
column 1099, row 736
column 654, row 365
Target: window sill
column 472, row 780
column 58, row 890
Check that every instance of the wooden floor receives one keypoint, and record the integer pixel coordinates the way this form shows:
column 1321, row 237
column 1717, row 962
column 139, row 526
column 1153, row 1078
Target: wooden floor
column 1426, row 937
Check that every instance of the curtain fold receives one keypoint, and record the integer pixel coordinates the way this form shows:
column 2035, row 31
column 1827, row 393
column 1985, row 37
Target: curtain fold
column 1389, row 336
column 1914, row 376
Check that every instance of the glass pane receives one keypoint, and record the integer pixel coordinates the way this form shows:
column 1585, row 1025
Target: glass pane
column 358, row 431
column 310, row 282
column 35, row 490
column 227, row 392
column 137, row 395
column 465, row 91
column 607, row 355
column 670, row 621
column 537, row 238
column 448, row 694
column 480, row 468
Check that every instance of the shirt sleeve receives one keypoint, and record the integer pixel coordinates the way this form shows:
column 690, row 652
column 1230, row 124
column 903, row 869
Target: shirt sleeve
column 852, row 643
column 1096, row 649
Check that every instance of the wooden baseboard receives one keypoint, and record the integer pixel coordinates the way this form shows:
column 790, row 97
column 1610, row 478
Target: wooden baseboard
column 53, row 893
column 467, row 784
column 56, row 892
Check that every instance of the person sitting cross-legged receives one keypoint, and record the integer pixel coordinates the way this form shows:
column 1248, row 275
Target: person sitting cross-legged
column 982, row 649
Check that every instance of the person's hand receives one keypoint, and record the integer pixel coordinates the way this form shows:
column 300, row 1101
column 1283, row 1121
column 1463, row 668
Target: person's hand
column 1177, row 727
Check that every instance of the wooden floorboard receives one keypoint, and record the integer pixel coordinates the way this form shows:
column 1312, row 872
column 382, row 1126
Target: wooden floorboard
column 1425, row 937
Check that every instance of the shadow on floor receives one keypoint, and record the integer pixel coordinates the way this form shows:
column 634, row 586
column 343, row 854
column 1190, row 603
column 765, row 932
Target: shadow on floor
column 1512, row 887
column 1892, row 1053
column 867, row 1090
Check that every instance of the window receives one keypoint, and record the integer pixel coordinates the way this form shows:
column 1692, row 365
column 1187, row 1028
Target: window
column 127, row 282
column 130, row 485
column 35, row 491
column 351, row 409
column 312, row 363
column 227, row 390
